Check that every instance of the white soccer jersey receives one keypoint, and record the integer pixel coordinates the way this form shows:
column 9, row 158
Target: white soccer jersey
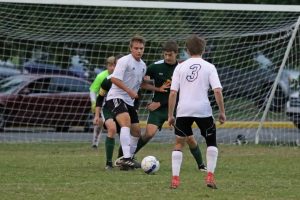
column 193, row 78
column 131, row 72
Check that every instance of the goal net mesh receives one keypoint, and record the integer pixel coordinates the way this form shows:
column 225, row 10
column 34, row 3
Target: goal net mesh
column 247, row 48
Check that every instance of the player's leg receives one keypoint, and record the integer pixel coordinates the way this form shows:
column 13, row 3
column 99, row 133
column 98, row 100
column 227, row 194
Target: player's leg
column 120, row 111
column 155, row 121
column 150, row 131
column 183, row 129
column 96, row 135
column 195, row 151
column 208, row 131
column 110, row 142
column 177, row 157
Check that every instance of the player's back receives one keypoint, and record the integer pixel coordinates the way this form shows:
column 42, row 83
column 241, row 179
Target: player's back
column 195, row 76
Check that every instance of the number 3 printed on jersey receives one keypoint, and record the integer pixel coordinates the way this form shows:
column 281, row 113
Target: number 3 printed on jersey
column 193, row 73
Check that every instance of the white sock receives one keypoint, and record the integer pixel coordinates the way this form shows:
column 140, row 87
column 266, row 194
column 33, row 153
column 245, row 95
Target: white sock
column 176, row 162
column 211, row 158
column 96, row 135
column 125, row 141
column 133, row 144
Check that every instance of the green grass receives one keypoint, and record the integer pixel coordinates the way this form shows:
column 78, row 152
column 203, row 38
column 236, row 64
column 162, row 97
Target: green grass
column 75, row 171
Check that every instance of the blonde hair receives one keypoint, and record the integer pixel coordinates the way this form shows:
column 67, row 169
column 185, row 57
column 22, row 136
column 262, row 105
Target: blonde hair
column 111, row 60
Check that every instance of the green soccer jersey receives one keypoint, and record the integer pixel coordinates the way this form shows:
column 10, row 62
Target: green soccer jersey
column 95, row 87
column 161, row 73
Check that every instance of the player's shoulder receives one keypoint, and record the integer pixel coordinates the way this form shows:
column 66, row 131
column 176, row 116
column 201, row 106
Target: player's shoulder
column 103, row 73
column 125, row 58
column 156, row 64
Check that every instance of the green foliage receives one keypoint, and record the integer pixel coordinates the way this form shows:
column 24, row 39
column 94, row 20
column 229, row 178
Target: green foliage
column 75, row 171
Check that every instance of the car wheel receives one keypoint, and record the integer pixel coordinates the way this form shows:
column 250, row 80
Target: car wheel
column 89, row 127
column 2, row 122
column 62, row 129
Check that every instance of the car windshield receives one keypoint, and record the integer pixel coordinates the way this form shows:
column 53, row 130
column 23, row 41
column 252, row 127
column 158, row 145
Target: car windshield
column 8, row 85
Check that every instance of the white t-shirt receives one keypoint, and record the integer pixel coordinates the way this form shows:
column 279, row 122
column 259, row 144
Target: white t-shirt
column 131, row 72
column 193, row 78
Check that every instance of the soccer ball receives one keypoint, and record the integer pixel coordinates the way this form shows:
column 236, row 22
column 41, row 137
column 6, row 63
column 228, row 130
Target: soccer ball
column 150, row 165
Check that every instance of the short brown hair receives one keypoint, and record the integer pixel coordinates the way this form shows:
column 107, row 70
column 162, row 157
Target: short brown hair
column 195, row 45
column 170, row 45
column 137, row 38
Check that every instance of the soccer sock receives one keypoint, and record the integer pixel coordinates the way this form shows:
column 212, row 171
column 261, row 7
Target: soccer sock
column 211, row 157
column 133, row 144
column 142, row 142
column 176, row 162
column 125, row 141
column 95, row 135
column 109, row 149
column 197, row 155
column 98, row 133
column 120, row 152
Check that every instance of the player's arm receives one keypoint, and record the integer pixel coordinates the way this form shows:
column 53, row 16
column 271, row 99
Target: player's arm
column 147, row 86
column 173, row 96
column 217, row 88
column 172, row 103
column 219, row 99
column 105, row 86
column 119, row 83
column 94, row 89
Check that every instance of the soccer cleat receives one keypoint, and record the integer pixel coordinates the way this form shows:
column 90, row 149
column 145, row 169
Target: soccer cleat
column 127, row 162
column 210, row 180
column 202, row 168
column 175, row 182
column 108, row 168
column 136, row 163
column 94, row 146
column 118, row 161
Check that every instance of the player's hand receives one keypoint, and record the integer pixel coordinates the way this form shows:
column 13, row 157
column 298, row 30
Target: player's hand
column 97, row 121
column 171, row 121
column 164, row 87
column 222, row 118
column 93, row 106
column 133, row 94
column 153, row 106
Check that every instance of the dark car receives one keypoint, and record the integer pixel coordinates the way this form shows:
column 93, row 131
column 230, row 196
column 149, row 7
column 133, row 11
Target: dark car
column 45, row 101
column 37, row 67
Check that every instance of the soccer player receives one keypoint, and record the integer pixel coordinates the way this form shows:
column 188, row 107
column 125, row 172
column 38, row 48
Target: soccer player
column 127, row 79
column 109, row 123
column 193, row 78
column 94, row 90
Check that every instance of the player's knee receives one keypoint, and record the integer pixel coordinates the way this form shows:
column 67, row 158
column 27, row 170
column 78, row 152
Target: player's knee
column 192, row 142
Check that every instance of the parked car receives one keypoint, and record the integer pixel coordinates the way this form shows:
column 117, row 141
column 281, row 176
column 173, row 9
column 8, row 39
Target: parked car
column 36, row 67
column 6, row 72
column 256, row 85
column 46, row 101
column 293, row 105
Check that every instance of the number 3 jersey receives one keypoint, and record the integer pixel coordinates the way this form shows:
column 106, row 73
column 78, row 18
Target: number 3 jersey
column 193, row 78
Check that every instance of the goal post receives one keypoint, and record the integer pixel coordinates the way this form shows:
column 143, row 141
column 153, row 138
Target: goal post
column 255, row 49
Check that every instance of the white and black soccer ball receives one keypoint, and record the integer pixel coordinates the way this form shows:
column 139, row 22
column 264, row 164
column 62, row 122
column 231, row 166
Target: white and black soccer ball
column 150, row 164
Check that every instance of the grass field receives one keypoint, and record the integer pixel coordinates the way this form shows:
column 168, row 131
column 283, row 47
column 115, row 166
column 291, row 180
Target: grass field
column 75, row 171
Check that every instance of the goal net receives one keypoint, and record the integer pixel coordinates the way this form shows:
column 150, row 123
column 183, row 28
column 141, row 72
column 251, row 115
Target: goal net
column 255, row 49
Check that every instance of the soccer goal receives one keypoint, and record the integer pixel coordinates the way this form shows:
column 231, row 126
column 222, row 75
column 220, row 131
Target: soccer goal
column 255, row 48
